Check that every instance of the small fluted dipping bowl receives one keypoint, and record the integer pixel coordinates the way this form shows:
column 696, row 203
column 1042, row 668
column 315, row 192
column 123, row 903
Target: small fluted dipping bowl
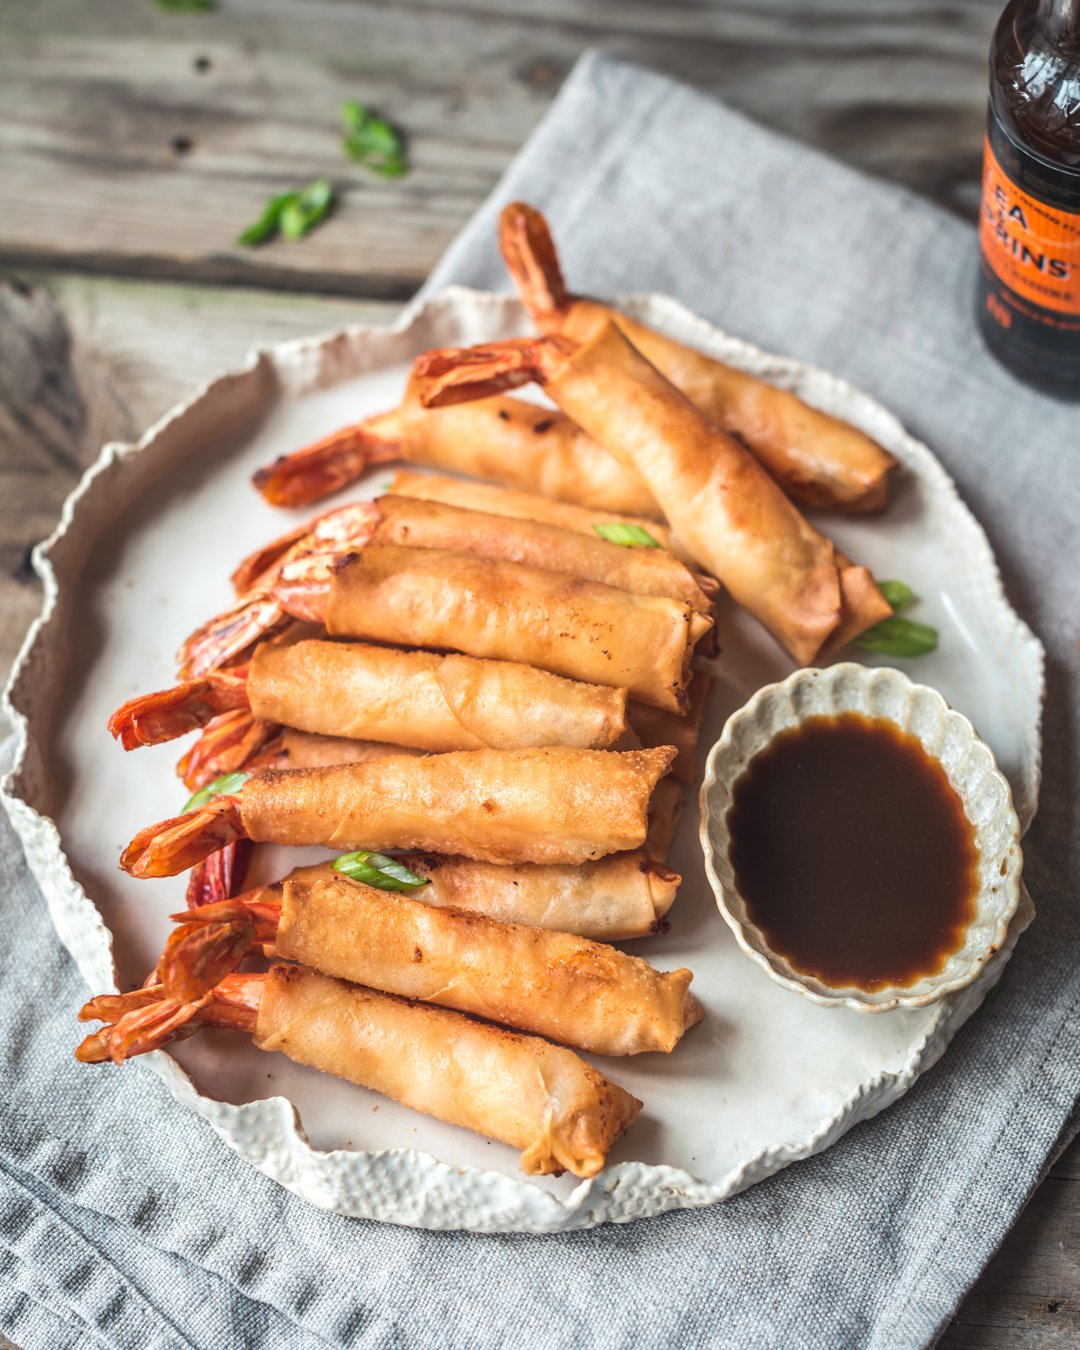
column 949, row 738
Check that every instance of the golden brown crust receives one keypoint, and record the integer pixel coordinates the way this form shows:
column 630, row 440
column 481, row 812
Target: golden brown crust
column 524, row 446
column 429, row 702
column 509, row 611
column 539, row 1098
column 819, row 460
column 502, row 501
column 572, row 990
column 620, row 897
column 552, row 805
column 418, row 523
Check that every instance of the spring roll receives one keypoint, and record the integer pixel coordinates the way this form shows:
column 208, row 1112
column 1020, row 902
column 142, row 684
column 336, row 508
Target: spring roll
column 508, row 611
column 819, row 460
column 412, row 522
column 553, row 805
column 580, row 993
column 622, row 896
column 302, row 750
column 523, row 445
column 563, row 1114
column 724, row 507
column 615, row 899
column 653, row 726
column 501, row 501
column 429, row 702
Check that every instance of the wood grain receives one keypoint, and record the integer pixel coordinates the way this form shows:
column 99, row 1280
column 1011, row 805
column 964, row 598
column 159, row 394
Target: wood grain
column 138, row 143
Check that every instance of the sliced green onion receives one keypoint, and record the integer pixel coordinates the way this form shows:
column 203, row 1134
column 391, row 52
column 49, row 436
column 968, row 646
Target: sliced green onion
column 309, row 206
column 220, row 787
column 897, row 593
column 372, row 141
column 631, row 536
column 379, row 870
column 292, row 214
column 898, row 637
column 267, row 224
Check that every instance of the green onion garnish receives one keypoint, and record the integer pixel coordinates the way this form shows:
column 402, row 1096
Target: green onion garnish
column 293, row 214
column 371, row 141
column 630, row 536
column 379, row 870
column 221, row 787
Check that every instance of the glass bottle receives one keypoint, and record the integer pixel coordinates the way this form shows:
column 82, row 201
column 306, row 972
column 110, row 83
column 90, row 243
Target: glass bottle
column 1029, row 219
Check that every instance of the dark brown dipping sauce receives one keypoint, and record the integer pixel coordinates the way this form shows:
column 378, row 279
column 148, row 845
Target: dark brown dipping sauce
column 853, row 853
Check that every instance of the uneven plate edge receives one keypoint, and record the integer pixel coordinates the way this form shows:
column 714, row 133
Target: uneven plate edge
column 628, row 1190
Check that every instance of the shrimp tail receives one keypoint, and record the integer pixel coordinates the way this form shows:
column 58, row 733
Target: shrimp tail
column 151, row 719
column 460, row 374
column 529, row 253
column 200, row 953
column 174, row 845
column 257, row 617
column 219, row 875
column 147, row 1018
column 229, row 743
column 328, row 465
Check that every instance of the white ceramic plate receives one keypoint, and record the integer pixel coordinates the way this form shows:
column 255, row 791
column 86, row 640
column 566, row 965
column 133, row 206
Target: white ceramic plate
column 142, row 555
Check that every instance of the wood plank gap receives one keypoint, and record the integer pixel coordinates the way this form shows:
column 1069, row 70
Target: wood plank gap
column 225, row 272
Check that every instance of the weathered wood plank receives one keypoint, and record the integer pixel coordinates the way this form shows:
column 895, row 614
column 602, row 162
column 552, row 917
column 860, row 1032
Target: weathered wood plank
column 139, row 143
column 83, row 362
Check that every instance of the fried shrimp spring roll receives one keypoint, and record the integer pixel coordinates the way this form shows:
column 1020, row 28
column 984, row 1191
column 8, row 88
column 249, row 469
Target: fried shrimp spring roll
column 416, row 523
column 622, row 896
column 816, row 458
column 414, row 699
column 562, row 1114
column 581, row 993
column 502, row 806
column 724, row 507
column 501, row 501
column 553, row 805
column 503, row 439
column 514, row 612
column 540, row 1098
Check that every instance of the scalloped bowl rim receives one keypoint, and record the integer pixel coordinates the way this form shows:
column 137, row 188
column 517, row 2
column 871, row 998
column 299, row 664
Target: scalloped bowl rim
column 1005, row 861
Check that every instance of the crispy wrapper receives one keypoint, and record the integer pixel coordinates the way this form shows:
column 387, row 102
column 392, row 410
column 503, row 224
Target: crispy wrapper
column 570, row 989
column 513, row 612
column 553, row 805
column 429, row 702
column 563, row 1114
column 524, row 446
column 501, row 501
column 723, row 505
column 819, row 460
column 418, row 523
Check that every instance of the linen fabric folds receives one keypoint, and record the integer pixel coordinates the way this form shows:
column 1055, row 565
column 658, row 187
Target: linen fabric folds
column 125, row 1222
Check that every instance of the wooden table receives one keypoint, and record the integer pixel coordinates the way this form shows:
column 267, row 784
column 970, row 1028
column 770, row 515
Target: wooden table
column 134, row 144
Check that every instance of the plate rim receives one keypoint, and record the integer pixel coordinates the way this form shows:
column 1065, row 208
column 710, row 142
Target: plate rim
column 625, row 1191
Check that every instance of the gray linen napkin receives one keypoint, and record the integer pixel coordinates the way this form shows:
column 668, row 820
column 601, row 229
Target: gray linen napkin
column 125, row 1222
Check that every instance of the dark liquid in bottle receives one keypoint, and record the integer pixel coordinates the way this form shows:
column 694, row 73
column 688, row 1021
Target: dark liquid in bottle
column 1029, row 227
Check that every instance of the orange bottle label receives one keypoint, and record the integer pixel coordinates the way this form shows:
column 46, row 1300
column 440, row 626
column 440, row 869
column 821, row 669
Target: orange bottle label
column 1031, row 247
